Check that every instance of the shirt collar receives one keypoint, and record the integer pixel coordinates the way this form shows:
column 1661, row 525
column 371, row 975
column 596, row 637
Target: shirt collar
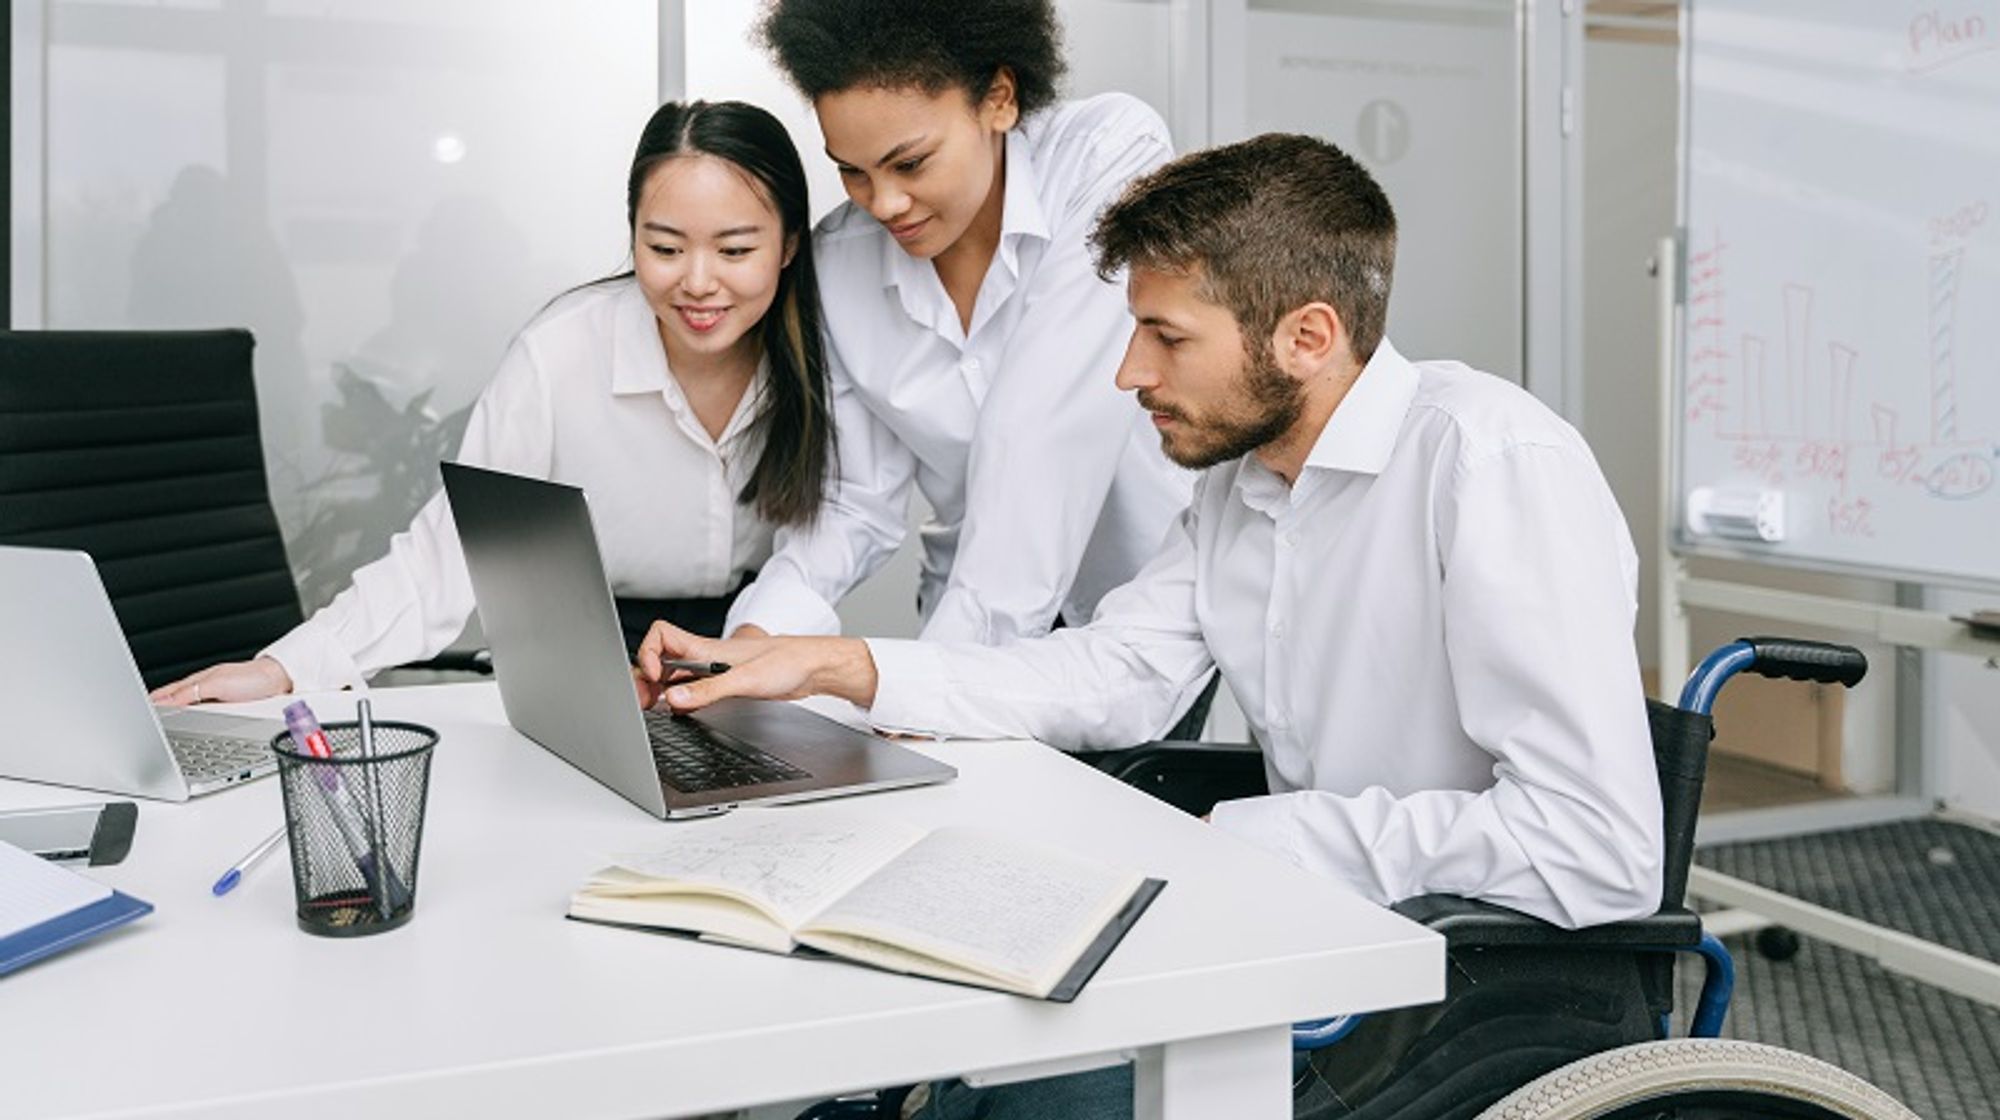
column 1021, row 215
column 1358, row 438
column 638, row 360
column 1361, row 434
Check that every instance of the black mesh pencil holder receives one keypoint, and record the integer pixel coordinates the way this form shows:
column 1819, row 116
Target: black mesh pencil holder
column 356, row 823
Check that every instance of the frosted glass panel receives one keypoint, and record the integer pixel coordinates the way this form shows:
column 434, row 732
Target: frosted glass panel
column 1427, row 94
column 1123, row 45
column 382, row 191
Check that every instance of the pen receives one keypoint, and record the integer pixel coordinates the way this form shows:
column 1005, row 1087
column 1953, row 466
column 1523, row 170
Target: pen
column 307, row 733
column 348, row 818
column 698, row 668
column 242, row 866
column 364, row 717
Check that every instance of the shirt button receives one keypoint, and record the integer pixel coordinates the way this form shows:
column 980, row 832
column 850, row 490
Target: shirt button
column 1277, row 630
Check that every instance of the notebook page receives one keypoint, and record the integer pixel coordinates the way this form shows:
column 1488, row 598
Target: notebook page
column 794, row 862
column 994, row 905
column 33, row 890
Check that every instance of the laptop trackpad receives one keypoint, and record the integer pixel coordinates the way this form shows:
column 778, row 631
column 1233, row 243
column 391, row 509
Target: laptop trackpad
column 189, row 721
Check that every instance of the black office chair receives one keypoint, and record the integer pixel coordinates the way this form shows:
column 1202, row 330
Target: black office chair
column 141, row 448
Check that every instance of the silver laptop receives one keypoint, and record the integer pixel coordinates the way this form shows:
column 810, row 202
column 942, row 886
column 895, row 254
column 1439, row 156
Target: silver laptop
column 566, row 683
column 73, row 710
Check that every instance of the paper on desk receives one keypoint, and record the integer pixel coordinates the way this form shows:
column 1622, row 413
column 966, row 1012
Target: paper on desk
column 33, row 890
column 791, row 863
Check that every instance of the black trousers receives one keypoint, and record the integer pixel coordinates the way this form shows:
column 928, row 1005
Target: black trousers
column 1509, row 1016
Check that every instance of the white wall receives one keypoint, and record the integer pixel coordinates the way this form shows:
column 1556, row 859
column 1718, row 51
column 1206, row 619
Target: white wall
column 723, row 63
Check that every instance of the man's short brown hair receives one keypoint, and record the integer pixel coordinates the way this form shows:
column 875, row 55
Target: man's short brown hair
column 1271, row 224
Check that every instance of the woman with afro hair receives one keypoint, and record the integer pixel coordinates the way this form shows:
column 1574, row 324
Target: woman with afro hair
column 972, row 345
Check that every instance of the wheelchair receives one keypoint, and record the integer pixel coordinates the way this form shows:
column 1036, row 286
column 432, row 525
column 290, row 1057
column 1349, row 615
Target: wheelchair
column 1541, row 1022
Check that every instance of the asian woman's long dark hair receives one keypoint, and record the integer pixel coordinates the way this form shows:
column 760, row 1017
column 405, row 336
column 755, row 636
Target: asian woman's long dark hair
column 792, row 474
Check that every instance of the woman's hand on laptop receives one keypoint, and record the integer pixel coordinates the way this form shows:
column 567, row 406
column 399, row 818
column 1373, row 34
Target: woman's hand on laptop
column 761, row 668
column 229, row 683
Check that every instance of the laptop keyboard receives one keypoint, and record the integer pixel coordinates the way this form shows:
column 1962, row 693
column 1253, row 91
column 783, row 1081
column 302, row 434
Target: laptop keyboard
column 208, row 758
column 693, row 761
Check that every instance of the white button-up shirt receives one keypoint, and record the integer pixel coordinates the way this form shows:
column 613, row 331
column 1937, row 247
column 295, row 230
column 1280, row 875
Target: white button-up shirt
column 583, row 397
column 1430, row 633
column 1047, row 487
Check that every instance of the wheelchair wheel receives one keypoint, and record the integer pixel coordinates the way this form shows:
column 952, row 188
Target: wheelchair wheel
column 1698, row 1079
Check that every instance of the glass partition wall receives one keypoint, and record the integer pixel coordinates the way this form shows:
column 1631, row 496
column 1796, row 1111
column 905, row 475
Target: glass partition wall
column 381, row 190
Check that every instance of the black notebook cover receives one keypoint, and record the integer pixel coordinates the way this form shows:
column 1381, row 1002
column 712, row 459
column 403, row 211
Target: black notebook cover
column 1065, row 990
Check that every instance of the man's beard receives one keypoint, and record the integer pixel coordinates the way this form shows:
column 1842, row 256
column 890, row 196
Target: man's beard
column 1263, row 404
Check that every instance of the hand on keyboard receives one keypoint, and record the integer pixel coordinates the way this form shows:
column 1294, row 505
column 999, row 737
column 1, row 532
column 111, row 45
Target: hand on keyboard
column 761, row 668
column 229, row 683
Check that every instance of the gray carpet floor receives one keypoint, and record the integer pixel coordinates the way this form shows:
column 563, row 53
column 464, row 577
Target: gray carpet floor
column 1936, row 1052
column 1936, row 879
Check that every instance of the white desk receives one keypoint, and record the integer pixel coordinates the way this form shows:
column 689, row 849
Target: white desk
column 490, row 1004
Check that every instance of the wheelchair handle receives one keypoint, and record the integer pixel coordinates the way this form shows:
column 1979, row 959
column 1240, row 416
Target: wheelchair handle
column 1789, row 658
column 1795, row 660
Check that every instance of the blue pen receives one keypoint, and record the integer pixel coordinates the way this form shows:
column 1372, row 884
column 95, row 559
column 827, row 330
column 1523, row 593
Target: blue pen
column 242, row 867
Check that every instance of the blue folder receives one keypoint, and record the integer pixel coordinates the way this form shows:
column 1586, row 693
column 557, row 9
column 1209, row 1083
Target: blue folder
column 58, row 933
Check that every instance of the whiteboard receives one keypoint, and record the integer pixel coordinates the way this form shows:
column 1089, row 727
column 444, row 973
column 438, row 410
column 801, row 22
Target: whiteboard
column 1840, row 315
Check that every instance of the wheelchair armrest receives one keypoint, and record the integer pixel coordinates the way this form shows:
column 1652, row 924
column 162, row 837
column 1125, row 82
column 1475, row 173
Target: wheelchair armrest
column 1466, row 923
column 1191, row 776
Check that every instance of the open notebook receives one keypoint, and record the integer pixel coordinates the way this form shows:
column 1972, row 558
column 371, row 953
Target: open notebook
column 958, row 904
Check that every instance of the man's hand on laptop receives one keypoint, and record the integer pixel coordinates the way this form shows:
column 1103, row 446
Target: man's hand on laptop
column 761, row 668
column 229, row 683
